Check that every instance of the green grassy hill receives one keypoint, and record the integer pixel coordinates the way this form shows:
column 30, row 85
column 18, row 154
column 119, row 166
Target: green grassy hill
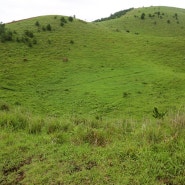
column 156, row 21
column 77, row 99
column 108, row 72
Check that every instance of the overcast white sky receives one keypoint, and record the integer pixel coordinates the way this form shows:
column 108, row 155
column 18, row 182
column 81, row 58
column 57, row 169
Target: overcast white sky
column 88, row 10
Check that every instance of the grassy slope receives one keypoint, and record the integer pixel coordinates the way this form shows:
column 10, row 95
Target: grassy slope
column 110, row 73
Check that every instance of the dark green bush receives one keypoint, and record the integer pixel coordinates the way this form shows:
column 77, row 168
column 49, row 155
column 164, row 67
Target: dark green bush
column 37, row 23
column 63, row 20
column 71, row 42
column 143, row 16
column 62, row 24
column 4, row 107
column 28, row 33
column 157, row 114
column 70, row 19
column 6, row 36
column 48, row 27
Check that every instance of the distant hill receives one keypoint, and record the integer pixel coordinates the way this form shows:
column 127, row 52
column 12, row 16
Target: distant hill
column 159, row 21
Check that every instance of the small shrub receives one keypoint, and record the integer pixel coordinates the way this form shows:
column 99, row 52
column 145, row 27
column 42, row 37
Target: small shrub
column 157, row 114
column 125, row 94
column 48, row 27
column 62, row 24
column 70, row 19
column 71, row 42
column 4, row 107
column 176, row 16
column 158, row 14
column 143, row 16
column 63, row 20
column 6, row 36
column 37, row 23
column 168, row 21
column 28, row 33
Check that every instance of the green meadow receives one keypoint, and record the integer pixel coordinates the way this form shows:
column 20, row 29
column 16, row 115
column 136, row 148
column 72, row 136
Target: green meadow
column 98, row 102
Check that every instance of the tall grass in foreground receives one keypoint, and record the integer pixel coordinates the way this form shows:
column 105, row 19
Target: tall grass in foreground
column 78, row 150
column 95, row 131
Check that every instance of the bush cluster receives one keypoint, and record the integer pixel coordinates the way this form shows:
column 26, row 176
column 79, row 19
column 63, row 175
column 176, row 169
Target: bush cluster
column 115, row 15
column 28, row 38
column 47, row 28
column 5, row 34
column 158, row 14
column 63, row 21
column 44, row 28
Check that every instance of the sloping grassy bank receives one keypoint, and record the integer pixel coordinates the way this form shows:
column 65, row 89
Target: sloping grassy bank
column 92, row 69
column 77, row 150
